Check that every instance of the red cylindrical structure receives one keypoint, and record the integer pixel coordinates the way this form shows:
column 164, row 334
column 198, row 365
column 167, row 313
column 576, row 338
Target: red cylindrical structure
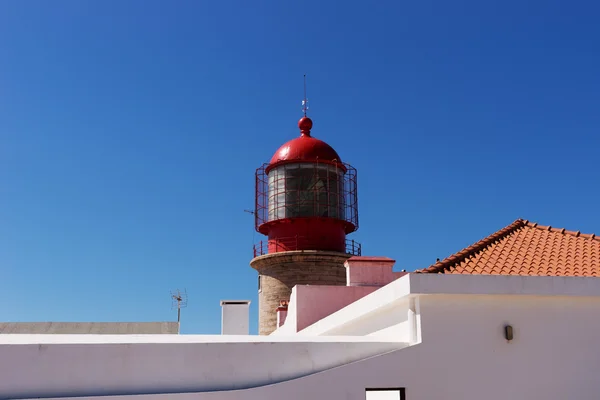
column 306, row 197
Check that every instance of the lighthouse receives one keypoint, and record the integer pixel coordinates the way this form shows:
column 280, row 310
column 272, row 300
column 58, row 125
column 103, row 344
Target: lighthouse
column 306, row 204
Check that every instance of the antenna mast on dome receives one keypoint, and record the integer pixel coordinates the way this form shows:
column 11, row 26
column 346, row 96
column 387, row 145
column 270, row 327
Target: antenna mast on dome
column 305, row 101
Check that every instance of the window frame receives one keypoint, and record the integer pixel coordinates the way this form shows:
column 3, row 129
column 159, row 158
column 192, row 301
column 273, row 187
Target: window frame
column 400, row 390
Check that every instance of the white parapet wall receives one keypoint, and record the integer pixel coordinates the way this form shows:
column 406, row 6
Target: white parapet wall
column 92, row 328
column 46, row 366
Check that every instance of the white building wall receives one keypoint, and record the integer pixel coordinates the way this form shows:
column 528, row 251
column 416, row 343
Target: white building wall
column 390, row 321
column 463, row 355
column 554, row 355
column 84, row 365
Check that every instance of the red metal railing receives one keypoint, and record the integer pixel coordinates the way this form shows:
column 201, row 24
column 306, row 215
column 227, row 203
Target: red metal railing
column 291, row 243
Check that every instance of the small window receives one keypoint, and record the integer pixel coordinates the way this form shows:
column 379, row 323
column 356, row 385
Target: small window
column 259, row 288
column 385, row 394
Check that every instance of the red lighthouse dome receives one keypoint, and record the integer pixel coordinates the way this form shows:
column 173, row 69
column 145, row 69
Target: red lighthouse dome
column 305, row 147
column 306, row 196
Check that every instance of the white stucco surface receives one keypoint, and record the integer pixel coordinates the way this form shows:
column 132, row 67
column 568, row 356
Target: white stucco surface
column 235, row 317
column 459, row 350
column 86, row 365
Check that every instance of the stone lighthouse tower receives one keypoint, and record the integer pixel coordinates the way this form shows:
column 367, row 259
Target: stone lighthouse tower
column 306, row 204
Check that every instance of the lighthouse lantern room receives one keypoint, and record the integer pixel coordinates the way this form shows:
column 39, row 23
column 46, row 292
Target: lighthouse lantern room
column 306, row 198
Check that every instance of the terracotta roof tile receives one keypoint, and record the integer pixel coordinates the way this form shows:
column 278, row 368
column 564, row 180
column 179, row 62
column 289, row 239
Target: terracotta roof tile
column 526, row 248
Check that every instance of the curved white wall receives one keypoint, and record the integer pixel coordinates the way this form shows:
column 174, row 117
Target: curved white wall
column 72, row 365
column 463, row 356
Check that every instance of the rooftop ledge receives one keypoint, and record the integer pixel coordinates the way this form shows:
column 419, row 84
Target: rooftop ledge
column 25, row 339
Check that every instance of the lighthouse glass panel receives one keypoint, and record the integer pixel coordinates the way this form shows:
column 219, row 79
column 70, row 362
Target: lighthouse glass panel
column 306, row 190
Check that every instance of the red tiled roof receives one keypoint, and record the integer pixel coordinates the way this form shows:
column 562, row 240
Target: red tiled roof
column 526, row 248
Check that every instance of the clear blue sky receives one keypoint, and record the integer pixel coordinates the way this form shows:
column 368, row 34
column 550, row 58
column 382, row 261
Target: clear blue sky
column 130, row 132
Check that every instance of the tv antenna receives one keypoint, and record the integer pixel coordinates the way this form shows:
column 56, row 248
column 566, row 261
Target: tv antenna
column 179, row 299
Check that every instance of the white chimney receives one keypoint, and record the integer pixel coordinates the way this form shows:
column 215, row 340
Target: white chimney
column 235, row 317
